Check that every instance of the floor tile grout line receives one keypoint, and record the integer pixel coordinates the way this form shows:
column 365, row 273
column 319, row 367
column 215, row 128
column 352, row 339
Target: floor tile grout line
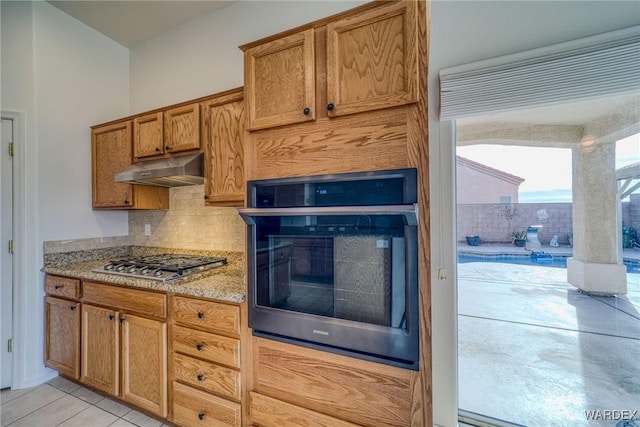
column 548, row 327
column 595, row 297
column 37, row 409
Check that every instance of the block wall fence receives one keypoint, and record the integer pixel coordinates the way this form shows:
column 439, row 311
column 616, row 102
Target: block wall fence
column 494, row 223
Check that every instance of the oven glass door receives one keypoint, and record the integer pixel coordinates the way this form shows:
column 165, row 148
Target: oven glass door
column 346, row 264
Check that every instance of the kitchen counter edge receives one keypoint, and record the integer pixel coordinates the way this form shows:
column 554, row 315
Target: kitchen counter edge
column 222, row 283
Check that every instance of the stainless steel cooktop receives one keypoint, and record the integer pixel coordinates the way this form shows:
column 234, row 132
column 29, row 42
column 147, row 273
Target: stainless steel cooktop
column 164, row 267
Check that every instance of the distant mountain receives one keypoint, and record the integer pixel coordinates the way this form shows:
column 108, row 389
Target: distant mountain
column 545, row 196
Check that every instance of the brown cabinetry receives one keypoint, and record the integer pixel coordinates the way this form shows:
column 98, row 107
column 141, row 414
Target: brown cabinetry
column 182, row 128
column 372, row 60
column 111, row 147
column 325, row 389
column 370, row 64
column 280, row 81
column 167, row 132
column 223, row 135
column 148, row 135
column 62, row 336
column 123, row 353
column 205, row 363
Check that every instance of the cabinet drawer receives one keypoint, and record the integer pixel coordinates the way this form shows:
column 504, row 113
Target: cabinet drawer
column 213, row 378
column 192, row 407
column 204, row 345
column 222, row 318
column 143, row 302
column 62, row 286
column 270, row 412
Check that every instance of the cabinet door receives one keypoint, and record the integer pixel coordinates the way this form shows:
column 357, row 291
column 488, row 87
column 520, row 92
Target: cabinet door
column 148, row 135
column 372, row 60
column 62, row 335
column 224, row 126
column 182, row 128
column 100, row 349
column 280, row 81
column 144, row 363
column 111, row 152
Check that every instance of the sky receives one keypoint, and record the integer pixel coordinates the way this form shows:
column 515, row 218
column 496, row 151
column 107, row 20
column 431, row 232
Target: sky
column 546, row 171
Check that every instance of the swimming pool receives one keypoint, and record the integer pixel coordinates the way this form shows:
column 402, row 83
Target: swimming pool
column 557, row 261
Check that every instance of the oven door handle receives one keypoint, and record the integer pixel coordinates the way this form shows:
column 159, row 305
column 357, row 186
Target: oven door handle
column 409, row 211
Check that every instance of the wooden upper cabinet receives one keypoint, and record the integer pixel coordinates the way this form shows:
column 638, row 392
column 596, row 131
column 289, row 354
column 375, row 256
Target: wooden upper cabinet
column 182, row 128
column 224, row 126
column 111, row 152
column 372, row 60
column 280, row 81
column 148, row 135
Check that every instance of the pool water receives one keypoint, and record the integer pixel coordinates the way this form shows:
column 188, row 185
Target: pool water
column 557, row 261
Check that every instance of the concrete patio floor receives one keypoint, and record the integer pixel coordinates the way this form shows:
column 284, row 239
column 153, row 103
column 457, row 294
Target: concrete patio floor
column 535, row 351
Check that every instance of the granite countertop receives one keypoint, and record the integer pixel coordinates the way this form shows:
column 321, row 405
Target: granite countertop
column 225, row 283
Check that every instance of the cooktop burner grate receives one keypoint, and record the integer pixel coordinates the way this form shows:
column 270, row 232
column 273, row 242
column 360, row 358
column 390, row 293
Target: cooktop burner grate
column 162, row 267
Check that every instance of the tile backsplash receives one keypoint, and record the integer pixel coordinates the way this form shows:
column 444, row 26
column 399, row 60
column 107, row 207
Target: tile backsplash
column 189, row 224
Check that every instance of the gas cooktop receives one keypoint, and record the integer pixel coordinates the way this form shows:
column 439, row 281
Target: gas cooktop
column 164, row 267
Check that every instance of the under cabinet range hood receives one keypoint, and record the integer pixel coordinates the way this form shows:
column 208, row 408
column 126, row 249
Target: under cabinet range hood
column 166, row 172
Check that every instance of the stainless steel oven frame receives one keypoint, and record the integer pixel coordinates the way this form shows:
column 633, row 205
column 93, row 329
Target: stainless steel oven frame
column 383, row 344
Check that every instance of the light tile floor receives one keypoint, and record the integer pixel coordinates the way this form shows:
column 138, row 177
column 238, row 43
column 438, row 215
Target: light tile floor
column 535, row 351
column 61, row 402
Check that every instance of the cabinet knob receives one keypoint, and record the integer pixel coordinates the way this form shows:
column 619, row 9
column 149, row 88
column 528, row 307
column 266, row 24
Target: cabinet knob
column 201, row 416
column 200, row 315
column 199, row 347
column 73, row 307
column 56, row 287
column 200, row 377
column 306, row 111
column 126, row 202
column 122, row 319
column 158, row 149
column 206, row 197
column 111, row 317
column 166, row 147
column 330, row 107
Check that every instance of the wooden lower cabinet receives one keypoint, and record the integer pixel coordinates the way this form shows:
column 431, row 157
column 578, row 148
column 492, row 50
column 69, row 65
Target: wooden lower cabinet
column 124, row 354
column 333, row 386
column 62, row 332
column 101, row 349
column 269, row 412
column 205, row 363
column 144, row 363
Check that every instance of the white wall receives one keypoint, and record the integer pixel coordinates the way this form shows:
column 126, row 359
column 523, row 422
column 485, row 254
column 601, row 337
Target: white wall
column 463, row 32
column 202, row 57
column 64, row 77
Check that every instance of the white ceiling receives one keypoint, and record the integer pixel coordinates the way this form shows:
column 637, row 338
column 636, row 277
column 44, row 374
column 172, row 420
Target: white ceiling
column 132, row 22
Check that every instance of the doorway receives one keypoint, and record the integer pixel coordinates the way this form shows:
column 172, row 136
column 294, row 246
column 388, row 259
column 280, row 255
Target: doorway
column 6, row 251
column 532, row 349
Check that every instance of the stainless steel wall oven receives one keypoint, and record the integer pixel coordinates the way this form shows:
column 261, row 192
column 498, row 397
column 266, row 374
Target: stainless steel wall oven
column 333, row 263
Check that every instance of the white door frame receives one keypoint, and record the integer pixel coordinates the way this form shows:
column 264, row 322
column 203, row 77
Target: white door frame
column 6, row 266
column 19, row 237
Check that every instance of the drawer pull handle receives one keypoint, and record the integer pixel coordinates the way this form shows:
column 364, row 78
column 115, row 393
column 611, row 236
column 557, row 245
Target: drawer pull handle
column 200, row 315
column 199, row 347
column 201, row 416
column 200, row 377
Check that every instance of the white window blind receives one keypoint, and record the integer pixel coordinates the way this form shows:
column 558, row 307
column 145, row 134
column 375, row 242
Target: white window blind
column 593, row 67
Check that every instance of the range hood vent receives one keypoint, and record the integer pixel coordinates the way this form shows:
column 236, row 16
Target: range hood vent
column 166, row 172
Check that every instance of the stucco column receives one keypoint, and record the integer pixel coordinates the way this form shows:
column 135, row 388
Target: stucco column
column 596, row 265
